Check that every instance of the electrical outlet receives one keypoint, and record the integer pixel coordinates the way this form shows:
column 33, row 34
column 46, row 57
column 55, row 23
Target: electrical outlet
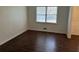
column 45, row 28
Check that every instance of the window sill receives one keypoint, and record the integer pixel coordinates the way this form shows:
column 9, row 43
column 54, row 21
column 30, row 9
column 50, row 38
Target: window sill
column 46, row 22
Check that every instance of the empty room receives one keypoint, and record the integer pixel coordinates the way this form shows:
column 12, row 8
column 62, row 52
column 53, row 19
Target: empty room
column 39, row 28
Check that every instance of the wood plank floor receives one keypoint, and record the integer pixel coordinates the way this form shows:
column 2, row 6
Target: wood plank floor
column 36, row 41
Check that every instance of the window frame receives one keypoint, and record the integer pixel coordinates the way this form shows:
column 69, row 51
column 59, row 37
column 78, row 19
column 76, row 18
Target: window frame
column 46, row 15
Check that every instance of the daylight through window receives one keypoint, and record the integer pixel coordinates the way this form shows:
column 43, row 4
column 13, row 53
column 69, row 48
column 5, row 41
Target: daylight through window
column 46, row 14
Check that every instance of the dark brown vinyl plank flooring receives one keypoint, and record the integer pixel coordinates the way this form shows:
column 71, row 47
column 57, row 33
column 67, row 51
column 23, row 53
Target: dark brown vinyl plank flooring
column 37, row 41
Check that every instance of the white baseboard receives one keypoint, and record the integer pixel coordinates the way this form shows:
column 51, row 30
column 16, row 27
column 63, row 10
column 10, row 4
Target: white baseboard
column 47, row 31
column 75, row 34
column 12, row 37
column 68, row 36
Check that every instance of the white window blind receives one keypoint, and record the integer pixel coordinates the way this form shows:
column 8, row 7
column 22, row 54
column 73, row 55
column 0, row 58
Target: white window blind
column 46, row 14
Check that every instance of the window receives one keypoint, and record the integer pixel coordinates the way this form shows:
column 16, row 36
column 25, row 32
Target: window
column 46, row 14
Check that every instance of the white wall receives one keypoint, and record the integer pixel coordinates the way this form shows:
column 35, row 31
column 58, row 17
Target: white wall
column 75, row 20
column 60, row 27
column 13, row 21
column 69, row 23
